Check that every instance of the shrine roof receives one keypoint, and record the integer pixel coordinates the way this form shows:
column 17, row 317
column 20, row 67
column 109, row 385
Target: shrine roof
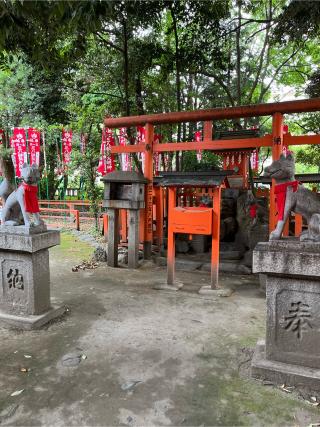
column 191, row 179
column 124, row 177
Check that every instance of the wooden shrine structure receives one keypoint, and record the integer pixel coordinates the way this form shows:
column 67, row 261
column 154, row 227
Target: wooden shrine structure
column 277, row 140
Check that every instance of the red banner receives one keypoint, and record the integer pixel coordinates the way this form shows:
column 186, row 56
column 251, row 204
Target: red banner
column 1, row 136
column 106, row 162
column 18, row 142
column 197, row 137
column 125, row 157
column 34, row 146
column 66, row 146
column 255, row 160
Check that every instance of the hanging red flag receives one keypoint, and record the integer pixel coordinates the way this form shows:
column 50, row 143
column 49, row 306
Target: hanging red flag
column 197, row 137
column 255, row 160
column 106, row 162
column 18, row 142
column 1, row 136
column 125, row 157
column 34, row 146
column 141, row 134
column 66, row 146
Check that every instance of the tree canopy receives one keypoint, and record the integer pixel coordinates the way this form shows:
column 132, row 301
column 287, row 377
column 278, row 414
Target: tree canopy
column 73, row 62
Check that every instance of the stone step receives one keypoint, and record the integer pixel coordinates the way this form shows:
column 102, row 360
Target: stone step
column 190, row 265
column 228, row 267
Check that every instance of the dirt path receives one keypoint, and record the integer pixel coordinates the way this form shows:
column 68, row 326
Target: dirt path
column 127, row 354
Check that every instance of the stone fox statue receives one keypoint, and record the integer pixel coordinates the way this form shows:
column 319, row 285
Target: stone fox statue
column 291, row 196
column 7, row 185
column 23, row 201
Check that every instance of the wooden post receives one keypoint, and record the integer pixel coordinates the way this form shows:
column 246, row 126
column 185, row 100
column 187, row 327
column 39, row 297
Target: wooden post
column 148, row 173
column 207, row 131
column 245, row 169
column 113, row 236
column 133, row 238
column 277, row 145
column 215, row 238
column 123, row 222
column 286, row 228
column 171, row 238
column 77, row 218
column 159, row 215
column 105, row 224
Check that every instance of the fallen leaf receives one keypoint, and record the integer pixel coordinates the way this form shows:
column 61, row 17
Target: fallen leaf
column 17, row 393
column 24, row 370
column 286, row 388
column 129, row 385
column 85, row 265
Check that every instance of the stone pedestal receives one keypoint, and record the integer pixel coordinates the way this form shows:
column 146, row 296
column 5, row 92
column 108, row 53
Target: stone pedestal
column 25, row 276
column 291, row 352
column 133, row 237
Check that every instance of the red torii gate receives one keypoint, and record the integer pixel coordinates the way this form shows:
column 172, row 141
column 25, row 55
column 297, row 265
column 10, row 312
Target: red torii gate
column 276, row 140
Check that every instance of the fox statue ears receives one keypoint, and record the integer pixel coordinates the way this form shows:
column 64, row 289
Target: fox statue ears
column 289, row 156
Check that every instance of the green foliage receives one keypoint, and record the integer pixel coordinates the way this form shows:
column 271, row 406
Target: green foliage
column 299, row 20
column 67, row 63
column 209, row 161
column 309, row 156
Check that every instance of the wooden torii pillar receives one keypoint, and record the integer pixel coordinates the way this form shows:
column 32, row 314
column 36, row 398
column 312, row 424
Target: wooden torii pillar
column 277, row 147
column 148, row 174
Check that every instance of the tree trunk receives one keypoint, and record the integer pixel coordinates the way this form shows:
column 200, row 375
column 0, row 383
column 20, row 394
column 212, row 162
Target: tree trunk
column 238, row 48
column 126, row 68
column 178, row 80
column 139, row 99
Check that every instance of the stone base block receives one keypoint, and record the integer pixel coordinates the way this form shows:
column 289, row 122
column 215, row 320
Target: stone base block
column 283, row 373
column 165, row 287
column 30, row 322
column 219, row 292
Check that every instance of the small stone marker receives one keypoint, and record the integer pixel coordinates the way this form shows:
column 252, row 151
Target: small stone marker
column 25, row 276
column 291, row 353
